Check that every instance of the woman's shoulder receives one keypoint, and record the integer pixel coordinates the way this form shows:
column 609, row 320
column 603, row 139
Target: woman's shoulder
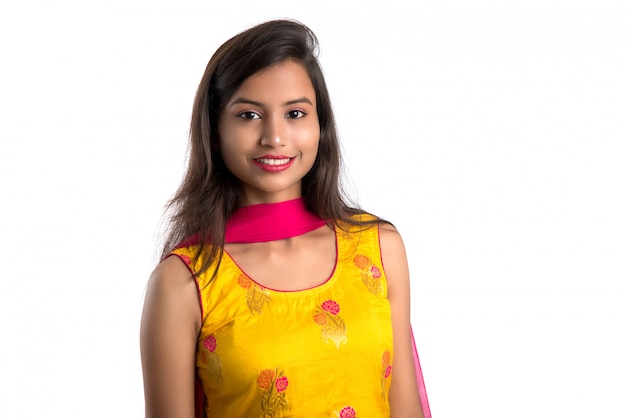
column 389, row 237
column 354, row 216
column 171, row 288
column 360, row 220
column 172, row 271
column 195, row 254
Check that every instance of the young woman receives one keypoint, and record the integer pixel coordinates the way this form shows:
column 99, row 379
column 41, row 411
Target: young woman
column 274, row 296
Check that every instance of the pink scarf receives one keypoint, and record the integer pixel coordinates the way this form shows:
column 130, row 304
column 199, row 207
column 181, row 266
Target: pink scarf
column 271, row 221
column 274, row 221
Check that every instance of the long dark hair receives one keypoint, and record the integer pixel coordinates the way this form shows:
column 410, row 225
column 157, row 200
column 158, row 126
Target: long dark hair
column 209, row 193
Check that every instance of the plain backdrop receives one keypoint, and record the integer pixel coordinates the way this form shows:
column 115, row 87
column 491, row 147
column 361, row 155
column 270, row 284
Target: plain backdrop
column 491, row 133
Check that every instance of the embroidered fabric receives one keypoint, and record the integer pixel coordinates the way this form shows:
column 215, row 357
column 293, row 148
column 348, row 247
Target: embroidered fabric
column 275, row 221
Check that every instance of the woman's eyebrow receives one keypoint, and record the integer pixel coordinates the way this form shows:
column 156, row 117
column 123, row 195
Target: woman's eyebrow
column 300, row 100
column 243, row 100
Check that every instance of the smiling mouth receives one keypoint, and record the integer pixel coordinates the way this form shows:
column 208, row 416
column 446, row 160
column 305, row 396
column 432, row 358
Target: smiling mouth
column 272, row 161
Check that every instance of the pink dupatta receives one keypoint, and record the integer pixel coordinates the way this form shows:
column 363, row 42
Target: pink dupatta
column 274, row 221
column 421, row 387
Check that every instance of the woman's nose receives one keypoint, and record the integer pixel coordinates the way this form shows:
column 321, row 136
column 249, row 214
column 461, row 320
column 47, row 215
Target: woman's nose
column 274, row 132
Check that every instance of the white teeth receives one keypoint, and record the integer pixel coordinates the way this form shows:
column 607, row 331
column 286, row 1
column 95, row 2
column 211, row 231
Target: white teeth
column 272, row 161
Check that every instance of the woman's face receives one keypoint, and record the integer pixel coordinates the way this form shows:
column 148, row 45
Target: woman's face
column 269, row 133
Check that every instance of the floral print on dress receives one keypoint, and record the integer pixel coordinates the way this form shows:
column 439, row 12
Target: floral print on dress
column 386, row 371
column 370, row 274
column 209, row 359
column 347, row 412
column 256, row 296
column 332, row 325
column 273, row 386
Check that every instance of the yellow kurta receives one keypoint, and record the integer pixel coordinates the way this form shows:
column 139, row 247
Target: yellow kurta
column 320, row 352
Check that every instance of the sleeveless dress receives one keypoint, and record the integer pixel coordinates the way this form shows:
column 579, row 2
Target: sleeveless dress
column 320, row 352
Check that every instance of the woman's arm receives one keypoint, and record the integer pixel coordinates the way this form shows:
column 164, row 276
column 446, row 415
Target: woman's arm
column 170, row 325
column 403, row 396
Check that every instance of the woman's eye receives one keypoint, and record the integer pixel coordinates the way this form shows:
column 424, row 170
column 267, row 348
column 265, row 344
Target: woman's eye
column 249, row 115
column 295, row 114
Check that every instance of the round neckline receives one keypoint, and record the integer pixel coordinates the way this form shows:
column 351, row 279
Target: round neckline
column 325, row 284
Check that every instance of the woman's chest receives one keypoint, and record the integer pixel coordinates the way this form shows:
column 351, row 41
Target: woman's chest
column 297, row 263
column 331, row 345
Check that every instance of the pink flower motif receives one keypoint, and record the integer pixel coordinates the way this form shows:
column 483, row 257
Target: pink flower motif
column 347, row 412
column 387, row 371
column 281, row 383
column 331, row 306
column 210, row 343
column 376, row 272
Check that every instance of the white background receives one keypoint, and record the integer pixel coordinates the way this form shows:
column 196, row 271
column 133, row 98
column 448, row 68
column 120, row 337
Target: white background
column 492, row 133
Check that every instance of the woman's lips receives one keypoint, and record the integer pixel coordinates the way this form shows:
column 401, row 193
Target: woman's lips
column 273, row 163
